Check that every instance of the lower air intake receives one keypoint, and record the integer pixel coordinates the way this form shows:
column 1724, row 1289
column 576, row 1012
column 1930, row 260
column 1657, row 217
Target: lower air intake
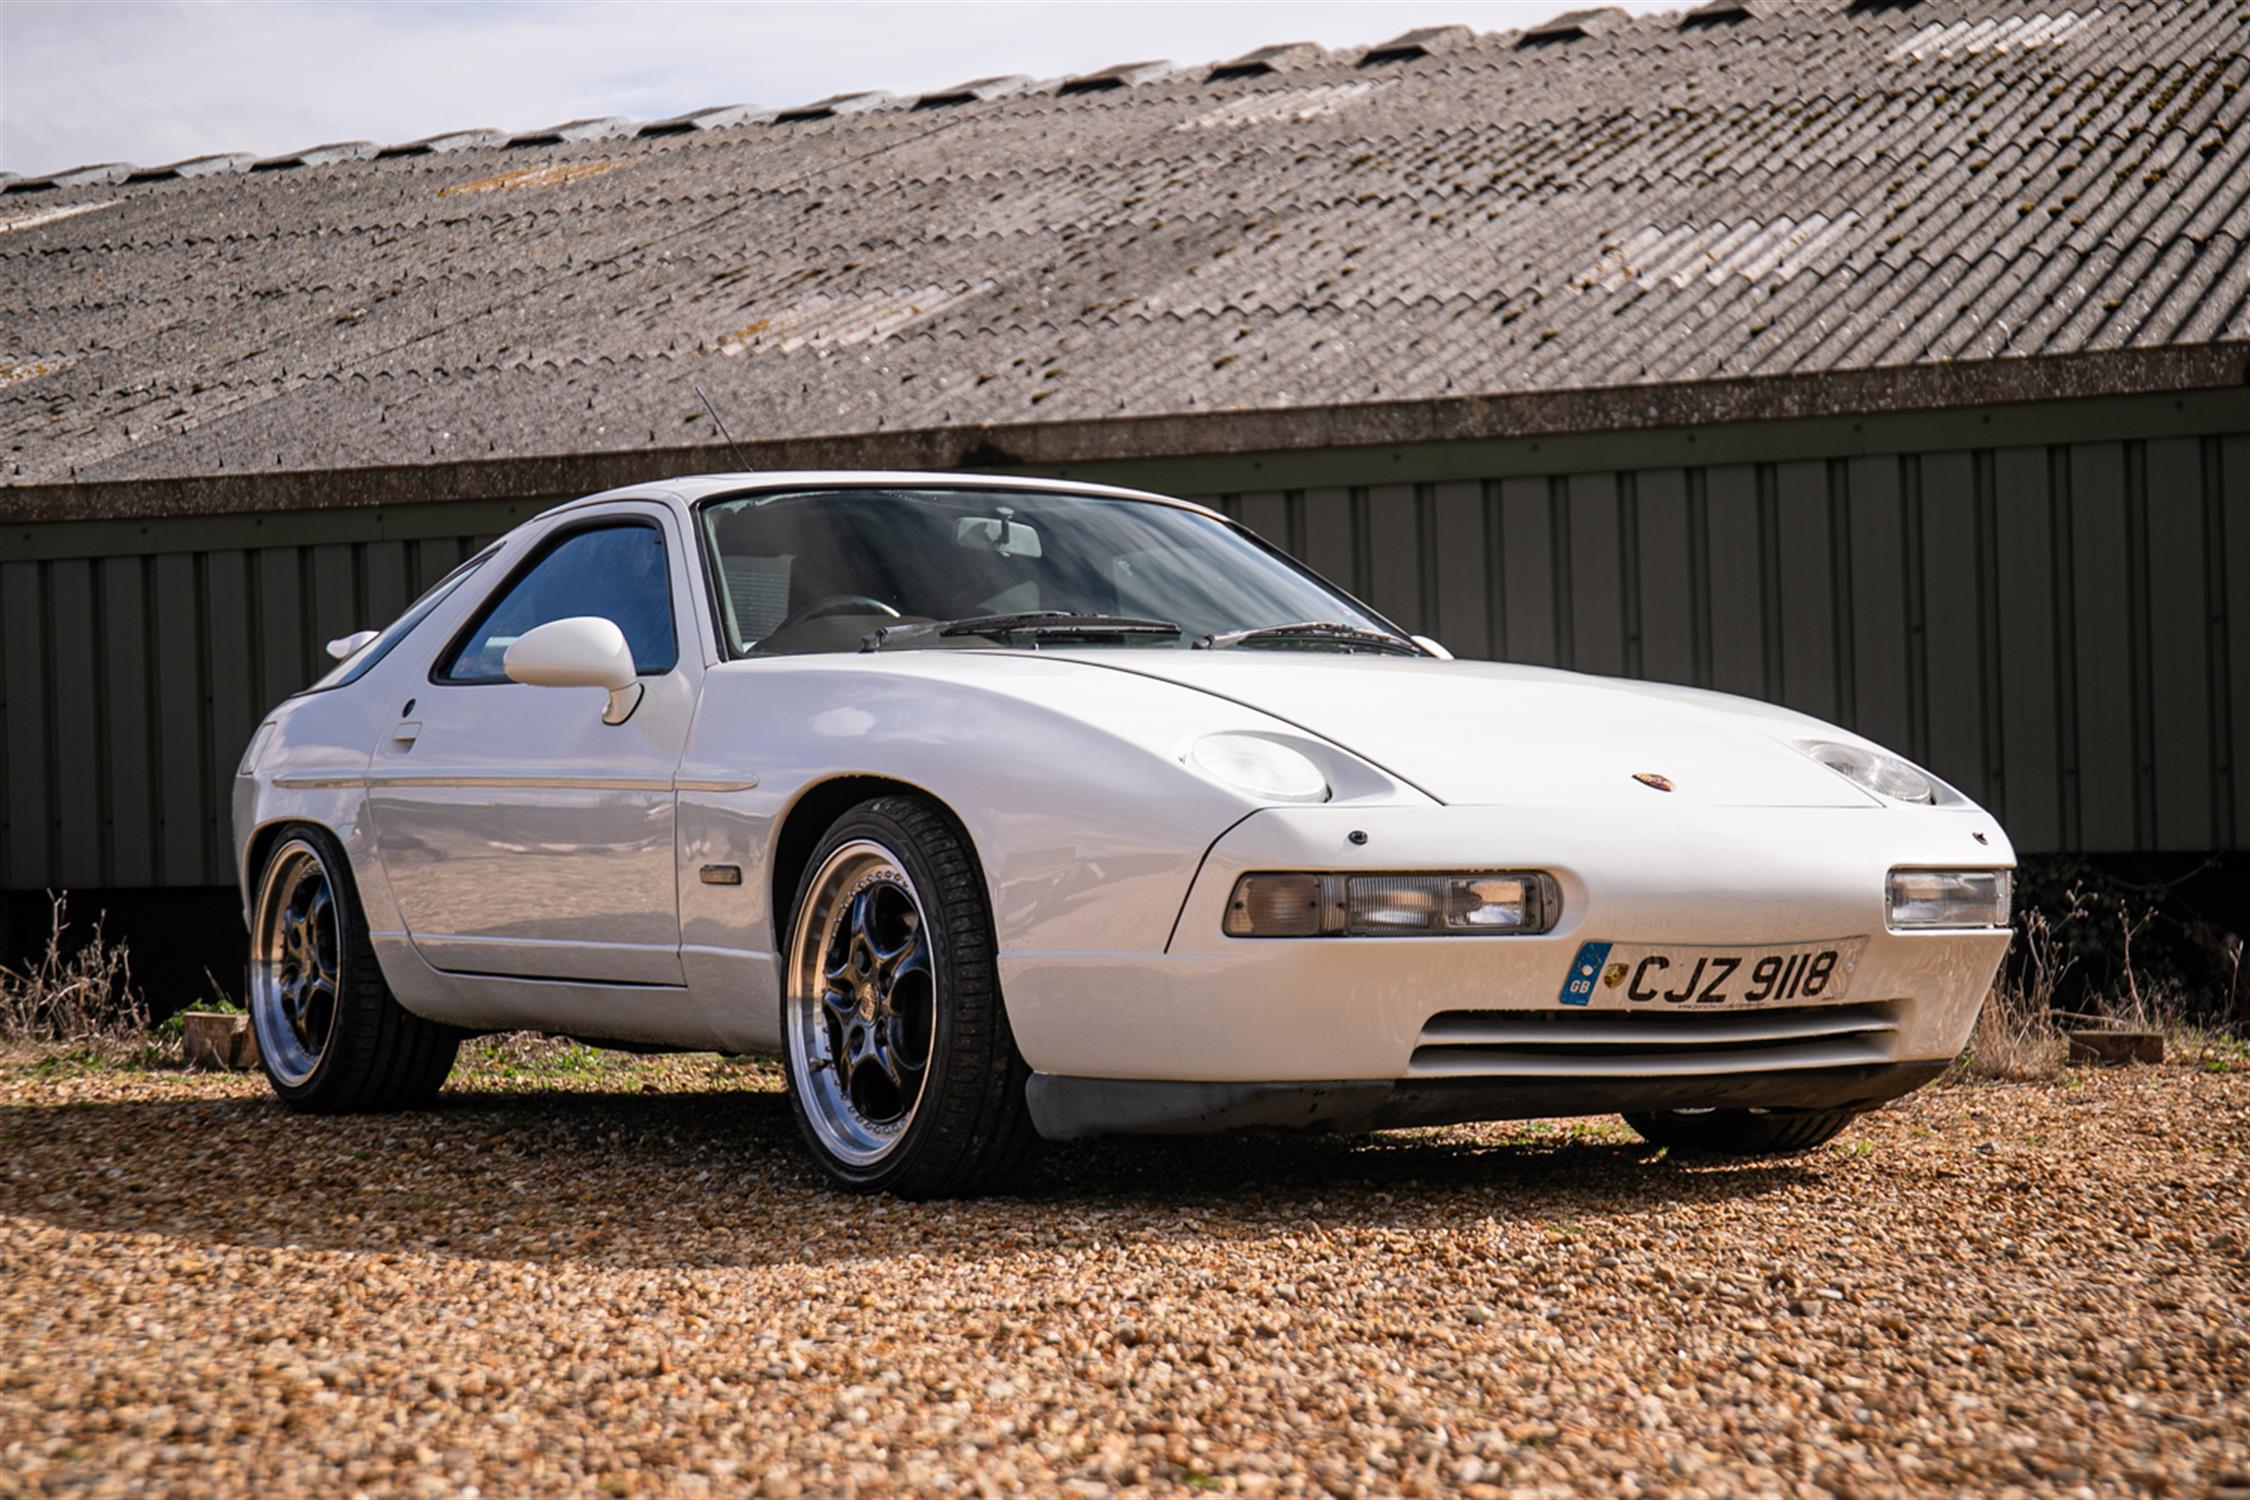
column 1668, row 1043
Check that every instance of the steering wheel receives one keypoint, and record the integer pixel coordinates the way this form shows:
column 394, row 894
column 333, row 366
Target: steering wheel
column 831, row 604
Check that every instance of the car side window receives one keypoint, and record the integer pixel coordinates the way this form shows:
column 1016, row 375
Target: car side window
column 615, row 572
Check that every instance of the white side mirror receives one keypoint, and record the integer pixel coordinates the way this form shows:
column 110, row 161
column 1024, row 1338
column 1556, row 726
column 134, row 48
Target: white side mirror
column 1432, row 647
column 347, row 646
column 583, row 651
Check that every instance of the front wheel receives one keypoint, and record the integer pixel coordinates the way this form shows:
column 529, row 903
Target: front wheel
column 903, row 1072
column 1741, row 1132
column 331, row 1038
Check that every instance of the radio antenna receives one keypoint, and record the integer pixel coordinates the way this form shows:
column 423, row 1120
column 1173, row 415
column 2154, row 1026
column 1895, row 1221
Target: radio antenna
column 721, row 423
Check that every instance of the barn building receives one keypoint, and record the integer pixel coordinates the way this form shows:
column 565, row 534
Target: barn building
column 1885, row 359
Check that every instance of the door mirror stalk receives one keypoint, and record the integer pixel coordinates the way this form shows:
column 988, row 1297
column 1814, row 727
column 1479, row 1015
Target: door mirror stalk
column 582, row 651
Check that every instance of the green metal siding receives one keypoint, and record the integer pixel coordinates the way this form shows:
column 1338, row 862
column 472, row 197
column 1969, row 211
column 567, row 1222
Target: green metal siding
column 2051, row 623
column 132, row 684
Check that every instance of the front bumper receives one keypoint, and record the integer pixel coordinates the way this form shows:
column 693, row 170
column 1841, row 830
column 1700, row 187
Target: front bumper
column 1474, row 1014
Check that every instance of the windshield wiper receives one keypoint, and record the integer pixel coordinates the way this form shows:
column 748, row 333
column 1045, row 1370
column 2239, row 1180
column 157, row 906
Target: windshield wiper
column 1317, row 630
column 1033, row 622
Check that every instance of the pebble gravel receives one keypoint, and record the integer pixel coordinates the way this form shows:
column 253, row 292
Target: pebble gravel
column 589, row 1276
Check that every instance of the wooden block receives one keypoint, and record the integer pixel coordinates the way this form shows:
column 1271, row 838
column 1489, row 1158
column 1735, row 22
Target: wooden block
column 2116, row 1047
column 209, row 1039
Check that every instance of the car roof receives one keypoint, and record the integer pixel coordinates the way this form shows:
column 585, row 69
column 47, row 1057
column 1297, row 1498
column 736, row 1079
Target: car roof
column 691, row 489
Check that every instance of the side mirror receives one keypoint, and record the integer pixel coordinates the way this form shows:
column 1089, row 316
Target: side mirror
column 583, row 651
column 1432, row 647
column 345, row 647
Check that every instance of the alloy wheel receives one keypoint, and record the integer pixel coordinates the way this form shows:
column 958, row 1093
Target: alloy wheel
column 862, row 1002
column 295, row 962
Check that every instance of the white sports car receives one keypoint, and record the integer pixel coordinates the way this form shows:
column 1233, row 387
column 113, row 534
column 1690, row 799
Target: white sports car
column 1005, row 809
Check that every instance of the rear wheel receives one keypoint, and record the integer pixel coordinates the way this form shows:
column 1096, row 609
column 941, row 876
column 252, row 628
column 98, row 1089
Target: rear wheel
column 1741, row 1132
column 902, row 1069
column 331, row 1038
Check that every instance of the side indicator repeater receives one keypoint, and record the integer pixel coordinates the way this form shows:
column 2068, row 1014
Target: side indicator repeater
column 1653, row 780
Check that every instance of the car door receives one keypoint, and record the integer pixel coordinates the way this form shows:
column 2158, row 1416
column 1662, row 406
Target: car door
column 521, row 835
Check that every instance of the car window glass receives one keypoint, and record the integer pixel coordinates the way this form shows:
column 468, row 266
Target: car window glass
column 616, row 573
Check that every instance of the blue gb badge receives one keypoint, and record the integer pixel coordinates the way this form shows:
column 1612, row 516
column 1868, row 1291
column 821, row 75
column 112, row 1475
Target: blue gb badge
column 1585, row 972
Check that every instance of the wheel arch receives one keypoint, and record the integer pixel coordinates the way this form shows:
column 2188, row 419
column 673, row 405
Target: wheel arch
column 809, row 817
column 265, row 836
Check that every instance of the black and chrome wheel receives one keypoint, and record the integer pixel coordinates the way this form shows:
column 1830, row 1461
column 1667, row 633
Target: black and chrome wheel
column 330, row 1036
column 296, row 959
column 902, row 1070
column 1741, row 1132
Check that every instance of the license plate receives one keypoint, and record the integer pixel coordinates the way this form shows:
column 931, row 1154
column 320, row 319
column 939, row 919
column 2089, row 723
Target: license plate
column 1640, row 976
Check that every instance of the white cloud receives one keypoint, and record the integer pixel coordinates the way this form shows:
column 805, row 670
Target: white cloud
column 152, row 82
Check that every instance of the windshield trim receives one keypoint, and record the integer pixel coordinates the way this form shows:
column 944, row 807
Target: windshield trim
column 710, row 561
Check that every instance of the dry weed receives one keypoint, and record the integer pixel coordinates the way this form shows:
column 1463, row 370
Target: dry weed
column 73, row 996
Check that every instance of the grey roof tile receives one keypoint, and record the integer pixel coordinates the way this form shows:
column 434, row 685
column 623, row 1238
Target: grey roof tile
column 607, row 127
column 716, row 117
column 97, row 174
column 1797, row 190
column 1571, row 26
column 1276, row 58
column 1425, row 41
column 316, row 156
column 1117, row 76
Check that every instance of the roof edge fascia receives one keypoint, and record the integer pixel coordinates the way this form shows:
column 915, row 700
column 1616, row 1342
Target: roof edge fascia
column 1173, row 436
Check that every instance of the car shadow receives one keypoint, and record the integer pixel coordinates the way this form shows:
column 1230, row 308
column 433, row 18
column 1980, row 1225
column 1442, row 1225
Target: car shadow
column 720, row 1178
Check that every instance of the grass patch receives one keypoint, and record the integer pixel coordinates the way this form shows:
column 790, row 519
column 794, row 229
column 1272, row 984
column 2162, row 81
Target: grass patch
column 531, row 1057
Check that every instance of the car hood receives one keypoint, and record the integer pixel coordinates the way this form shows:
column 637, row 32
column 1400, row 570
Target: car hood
column 1487, row 732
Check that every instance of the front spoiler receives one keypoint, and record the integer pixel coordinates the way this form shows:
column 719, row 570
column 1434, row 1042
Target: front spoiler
column 1065, row 1109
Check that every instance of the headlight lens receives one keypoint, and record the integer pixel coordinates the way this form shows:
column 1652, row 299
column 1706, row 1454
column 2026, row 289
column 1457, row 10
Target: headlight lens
column 1456, row 904
column 1949, row 898
column 1259, row 766
column 1872, row 770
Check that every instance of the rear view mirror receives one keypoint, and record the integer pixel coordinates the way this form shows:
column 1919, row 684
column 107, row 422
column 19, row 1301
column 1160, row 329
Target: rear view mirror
column 1009, row 538
column 345, row 647
column 582, row 651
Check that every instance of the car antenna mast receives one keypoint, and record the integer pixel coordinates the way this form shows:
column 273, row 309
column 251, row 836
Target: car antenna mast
column 721, row 423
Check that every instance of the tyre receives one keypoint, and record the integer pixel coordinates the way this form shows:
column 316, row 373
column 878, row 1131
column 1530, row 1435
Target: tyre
column 331, row 1038
column 1741, row 1132
column 903, row 1072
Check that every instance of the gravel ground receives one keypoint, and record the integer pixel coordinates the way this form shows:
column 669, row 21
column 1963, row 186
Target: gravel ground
column 616, row 1277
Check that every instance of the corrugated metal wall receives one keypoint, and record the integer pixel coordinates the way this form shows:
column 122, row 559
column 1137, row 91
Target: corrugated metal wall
column 131, row 685
column 2053, row 628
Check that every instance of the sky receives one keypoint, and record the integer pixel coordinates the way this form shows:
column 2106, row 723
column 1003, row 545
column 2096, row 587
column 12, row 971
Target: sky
column 93, row 80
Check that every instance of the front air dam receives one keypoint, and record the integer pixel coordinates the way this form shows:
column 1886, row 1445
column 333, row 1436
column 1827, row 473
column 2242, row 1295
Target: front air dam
column 1066, row 1109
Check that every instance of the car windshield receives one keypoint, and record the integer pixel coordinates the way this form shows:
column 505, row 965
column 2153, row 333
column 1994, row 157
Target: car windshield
column 825, row 570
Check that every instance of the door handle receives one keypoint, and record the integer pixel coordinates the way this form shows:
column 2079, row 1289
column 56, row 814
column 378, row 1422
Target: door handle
column 404, row 736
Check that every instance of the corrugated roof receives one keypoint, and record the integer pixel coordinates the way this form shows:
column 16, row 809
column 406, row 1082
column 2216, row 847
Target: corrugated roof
column 1804, row 189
